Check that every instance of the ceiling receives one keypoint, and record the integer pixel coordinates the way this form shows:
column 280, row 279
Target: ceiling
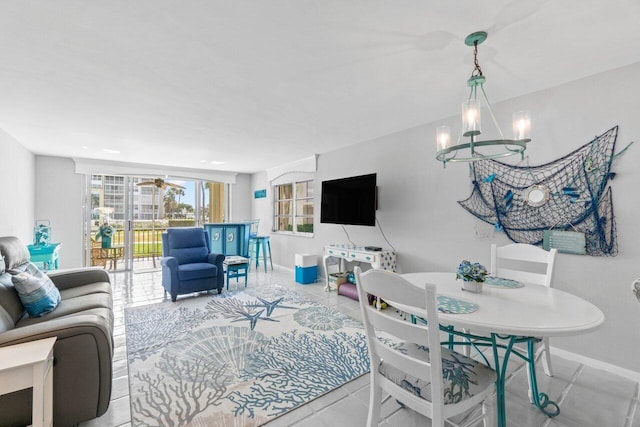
column 256, row 84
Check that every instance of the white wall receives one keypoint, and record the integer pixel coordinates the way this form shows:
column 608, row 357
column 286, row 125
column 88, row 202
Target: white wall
column 262, row 208
column 59, row 199
column 240, row 200
column 420, row 216
column 17, row 185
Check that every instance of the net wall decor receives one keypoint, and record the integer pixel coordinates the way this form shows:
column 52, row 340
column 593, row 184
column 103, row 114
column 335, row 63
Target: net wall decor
column 568, row 194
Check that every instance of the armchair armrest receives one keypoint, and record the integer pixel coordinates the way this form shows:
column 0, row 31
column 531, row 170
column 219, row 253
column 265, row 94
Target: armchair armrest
column 170, row 262
column 169, row 273
column 66, row 279
column 218, row 259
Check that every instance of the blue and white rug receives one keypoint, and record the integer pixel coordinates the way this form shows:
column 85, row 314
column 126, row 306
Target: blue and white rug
column 237, row 359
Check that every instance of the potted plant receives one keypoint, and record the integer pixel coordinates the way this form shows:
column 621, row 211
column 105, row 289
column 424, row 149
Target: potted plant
column 472, row 275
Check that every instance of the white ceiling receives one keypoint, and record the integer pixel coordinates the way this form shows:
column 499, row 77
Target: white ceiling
column 256, row 84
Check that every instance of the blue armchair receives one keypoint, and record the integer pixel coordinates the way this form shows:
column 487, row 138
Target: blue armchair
column 187, row 264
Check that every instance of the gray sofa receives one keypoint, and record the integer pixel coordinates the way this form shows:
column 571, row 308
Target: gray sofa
column 83, row 352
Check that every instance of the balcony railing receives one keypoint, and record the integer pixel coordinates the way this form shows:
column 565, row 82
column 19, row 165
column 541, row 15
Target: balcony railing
column 147, row 243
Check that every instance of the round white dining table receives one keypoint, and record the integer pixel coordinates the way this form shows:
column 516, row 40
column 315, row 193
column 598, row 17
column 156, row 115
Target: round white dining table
column 506, row 316
column 531, row 310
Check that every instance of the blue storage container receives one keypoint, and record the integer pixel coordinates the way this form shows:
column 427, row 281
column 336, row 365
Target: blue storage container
column 306, row 275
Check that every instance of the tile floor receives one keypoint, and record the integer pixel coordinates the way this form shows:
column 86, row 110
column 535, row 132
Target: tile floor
column 587, row 396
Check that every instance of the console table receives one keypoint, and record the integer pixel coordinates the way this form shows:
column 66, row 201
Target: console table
column 30, row 365
column 48, row 255
column 384, row 259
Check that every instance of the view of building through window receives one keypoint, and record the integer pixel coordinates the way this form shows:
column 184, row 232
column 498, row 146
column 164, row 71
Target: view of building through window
column 150, row 210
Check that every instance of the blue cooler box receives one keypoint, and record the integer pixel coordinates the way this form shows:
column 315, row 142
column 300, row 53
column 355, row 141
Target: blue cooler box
column 306, row 275
column 306, row 268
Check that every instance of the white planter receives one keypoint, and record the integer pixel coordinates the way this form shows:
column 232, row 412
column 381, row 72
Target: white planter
column 471, row 286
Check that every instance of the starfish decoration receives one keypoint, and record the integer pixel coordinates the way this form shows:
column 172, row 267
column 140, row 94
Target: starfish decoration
column 269, row 305
column 252, row 318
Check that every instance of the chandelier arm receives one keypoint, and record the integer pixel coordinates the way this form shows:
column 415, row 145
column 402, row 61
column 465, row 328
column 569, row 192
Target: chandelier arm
column 518, row 147
column 493, row 116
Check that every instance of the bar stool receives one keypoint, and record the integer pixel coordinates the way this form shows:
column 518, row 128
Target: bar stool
column 255, row 242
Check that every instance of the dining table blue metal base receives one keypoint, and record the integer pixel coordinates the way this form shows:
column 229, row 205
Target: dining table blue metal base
column 506, row 344
column 506, row 319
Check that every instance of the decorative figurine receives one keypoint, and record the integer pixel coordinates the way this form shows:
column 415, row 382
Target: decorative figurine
column 105, row 232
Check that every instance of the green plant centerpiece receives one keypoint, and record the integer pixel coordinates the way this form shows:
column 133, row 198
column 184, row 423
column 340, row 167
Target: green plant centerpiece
column 104, row 234
column 472, row 275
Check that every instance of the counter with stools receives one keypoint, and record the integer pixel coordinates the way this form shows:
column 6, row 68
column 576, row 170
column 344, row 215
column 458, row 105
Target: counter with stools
column 255, row 242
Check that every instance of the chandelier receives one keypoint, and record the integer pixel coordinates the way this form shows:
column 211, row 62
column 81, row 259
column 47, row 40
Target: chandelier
column 471, row 123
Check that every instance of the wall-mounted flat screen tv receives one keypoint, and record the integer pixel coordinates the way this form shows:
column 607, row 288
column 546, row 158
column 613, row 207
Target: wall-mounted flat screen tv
column 349, row 201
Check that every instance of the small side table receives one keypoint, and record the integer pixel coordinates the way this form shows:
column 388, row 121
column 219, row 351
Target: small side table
column 27, row 365
column 236, row 267
column 48, row 255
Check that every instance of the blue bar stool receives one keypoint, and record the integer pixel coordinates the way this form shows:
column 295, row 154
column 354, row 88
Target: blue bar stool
column 254, row 243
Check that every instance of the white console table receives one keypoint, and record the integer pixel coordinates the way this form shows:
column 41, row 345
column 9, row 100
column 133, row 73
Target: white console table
column 27, row 365
column 384, row 259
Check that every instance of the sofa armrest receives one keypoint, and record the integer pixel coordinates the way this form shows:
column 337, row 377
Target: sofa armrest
column 218, row 259
column 66, row 279
column 83, row 363
column 63, row 327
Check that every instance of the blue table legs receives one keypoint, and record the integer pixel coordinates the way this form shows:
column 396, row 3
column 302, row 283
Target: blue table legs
column 505, row 343
column 541, row 400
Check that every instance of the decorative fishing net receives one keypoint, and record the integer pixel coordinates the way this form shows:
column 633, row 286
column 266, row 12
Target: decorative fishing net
column 574, row 192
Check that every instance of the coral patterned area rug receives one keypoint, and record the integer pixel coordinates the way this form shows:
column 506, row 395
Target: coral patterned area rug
column 237, row 359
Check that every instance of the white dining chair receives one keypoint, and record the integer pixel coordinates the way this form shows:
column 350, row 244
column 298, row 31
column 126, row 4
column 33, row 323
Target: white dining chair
column 407, row 360
column 526, row 264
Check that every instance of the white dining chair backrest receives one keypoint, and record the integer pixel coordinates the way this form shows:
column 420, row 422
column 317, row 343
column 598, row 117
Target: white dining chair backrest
column 392, row 287
column 523, row 262
column 407, row 360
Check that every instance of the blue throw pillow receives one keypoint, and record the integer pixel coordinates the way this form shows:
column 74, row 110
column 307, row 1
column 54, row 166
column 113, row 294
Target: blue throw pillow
column 37, row 292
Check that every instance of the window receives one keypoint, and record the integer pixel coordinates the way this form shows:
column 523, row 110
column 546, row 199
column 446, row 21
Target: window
column 293, row 207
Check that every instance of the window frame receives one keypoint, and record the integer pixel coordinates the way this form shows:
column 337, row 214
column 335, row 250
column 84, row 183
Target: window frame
column 295, row 200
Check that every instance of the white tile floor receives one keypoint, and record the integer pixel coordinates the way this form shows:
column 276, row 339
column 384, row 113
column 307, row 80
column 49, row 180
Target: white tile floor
column 587, row 397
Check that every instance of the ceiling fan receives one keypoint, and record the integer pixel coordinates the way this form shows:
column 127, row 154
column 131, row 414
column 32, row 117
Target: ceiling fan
column 161, row 183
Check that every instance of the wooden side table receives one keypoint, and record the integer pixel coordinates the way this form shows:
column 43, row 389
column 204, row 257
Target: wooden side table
column 48, row 255
column 30, row 365
column 236, row 267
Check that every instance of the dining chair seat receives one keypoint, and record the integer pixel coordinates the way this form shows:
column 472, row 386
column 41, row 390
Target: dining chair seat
column 462, row 376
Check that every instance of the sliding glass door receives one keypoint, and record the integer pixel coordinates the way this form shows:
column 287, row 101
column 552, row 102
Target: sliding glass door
column 127, row 216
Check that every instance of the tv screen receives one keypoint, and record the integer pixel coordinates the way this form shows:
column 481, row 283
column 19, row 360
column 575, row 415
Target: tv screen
column 349, row 200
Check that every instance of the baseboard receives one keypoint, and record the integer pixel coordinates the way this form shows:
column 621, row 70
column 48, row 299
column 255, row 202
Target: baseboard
column 597, row 364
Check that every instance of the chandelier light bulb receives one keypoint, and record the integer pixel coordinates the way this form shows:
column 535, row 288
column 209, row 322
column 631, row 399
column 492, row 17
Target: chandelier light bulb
column 521, row 125
column 471, row 117
column 443, row 137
